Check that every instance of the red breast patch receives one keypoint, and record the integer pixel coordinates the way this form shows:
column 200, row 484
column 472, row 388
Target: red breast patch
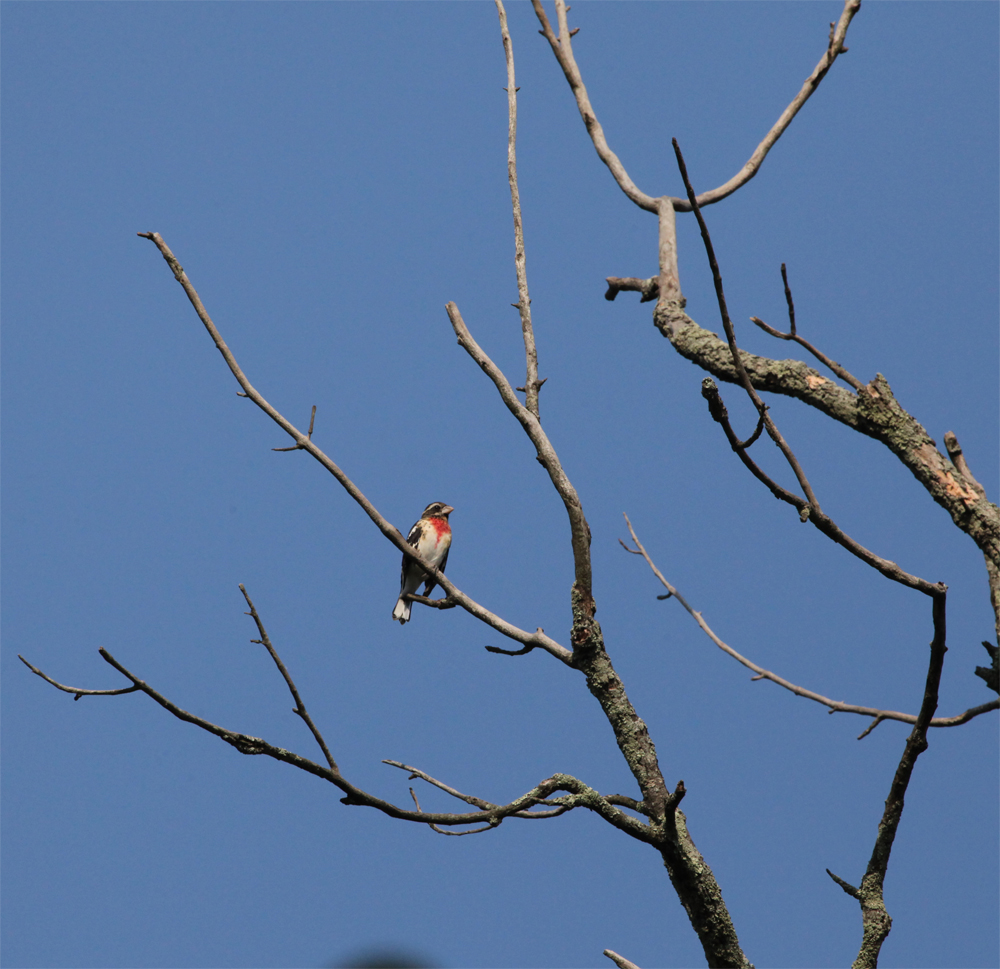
column 441, row 527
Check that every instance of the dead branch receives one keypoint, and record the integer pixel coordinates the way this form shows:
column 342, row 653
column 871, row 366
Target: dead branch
column 835, row 706
column 831, row 365
column 562, row 47
column 300, row 707
column 580, row 794
column 806, row 511
column 303, row 441
column 531, row 384
column 619, row 961
column 876, row 921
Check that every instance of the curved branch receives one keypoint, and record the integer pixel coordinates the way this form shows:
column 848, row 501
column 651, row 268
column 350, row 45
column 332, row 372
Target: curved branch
column 835, row 706
column 305, row 443
column 562, row 47
column 78, row 691
column 834, row 49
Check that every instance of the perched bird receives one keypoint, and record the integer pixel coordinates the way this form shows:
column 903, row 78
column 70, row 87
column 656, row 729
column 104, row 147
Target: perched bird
column 431, row 537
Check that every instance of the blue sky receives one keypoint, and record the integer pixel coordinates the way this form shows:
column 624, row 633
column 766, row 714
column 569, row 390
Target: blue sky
column 330, row 175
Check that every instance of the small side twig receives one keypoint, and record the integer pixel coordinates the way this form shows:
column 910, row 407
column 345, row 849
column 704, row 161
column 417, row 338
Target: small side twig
column 509, row 652
column 831, row 365
column 300, row 447
column 76, row 690
column 958, row 459
column 448, row 602
column 650, row 288
column 453, row 834
column 300, row 708
column 846, row 886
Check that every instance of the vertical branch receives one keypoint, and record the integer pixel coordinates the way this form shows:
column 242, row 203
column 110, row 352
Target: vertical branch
column 531, row 383
column 670, row 281
column 875, row 919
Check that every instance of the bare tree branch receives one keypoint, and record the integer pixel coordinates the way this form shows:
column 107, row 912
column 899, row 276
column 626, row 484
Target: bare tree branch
column 562, row 47
column 835, row 706
column 831, row 365
column 302, row 440
column 834, row 49
column 619, row 961
column 546, row 453
column 580, row 794
column 75, row 689
column 300, row 707
column 874, row 917
column 727, row 323
column 531, row 384
column 872, row 411
column 806, row 511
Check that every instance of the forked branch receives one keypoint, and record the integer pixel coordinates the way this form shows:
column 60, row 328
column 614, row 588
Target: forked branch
column 562, row 47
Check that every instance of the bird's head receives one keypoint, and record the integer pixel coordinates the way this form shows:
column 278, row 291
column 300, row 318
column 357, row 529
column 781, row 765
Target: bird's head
column 437, row 509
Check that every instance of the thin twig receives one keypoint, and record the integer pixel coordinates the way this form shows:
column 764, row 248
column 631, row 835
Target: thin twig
column 453, row 834
column 78, row 691
column 563, row 49
column 300, row 707
column 832, row 365
column 523, row 305
column 299, row 447
column 846, row 886
column 446, row 603
column 835, row 706
column 388, row 530
column 478, row 801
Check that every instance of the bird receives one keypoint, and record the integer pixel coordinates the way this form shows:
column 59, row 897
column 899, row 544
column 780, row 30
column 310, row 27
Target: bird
column 431, row 537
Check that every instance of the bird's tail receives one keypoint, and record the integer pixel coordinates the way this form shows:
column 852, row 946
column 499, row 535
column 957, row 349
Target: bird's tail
column 402, row 611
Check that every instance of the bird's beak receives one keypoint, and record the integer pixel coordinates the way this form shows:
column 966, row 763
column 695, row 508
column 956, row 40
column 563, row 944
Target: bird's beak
column 447, row 510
